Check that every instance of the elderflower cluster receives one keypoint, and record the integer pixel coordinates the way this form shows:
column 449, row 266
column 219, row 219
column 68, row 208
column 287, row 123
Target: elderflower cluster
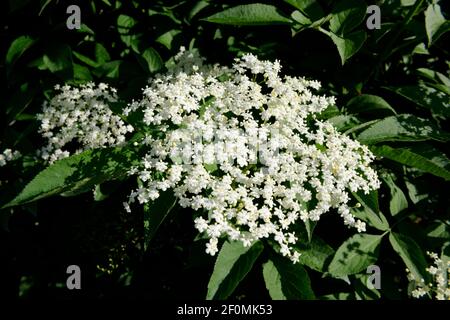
column 80, row 119
column 439, row 287
column 244, row 148
column 8, row 155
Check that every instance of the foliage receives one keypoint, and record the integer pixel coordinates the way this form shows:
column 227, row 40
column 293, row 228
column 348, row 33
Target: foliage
column 392, row 87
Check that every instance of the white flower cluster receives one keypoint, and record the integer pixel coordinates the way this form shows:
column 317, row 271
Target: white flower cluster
column 8, row 155
column 205, row 123
column 80, row 117
column 440, row 285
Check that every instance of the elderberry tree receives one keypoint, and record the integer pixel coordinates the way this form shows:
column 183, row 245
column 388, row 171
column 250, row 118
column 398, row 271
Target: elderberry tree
column 289, row 147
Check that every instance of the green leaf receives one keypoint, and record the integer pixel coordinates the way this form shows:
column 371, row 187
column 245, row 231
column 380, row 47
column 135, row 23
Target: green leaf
column 362, row 291
column 232, row 265
column 347, row 46
column 423, row 157
column 403, row 127
column 81, row 73
column 367, row 103
column 126, row 27
column 153, row 60
column 438, row 229
column 20, row 100
column 355, row 255
column 407, row 3
column 109, row 69
column 370, row 211
column 435, row 76
column 344, row 122
column 85, row 29
column 435, row 23
column 85, row 59
column 58, row 59
column 155, row 213
column 398, row 201
column 420, row 49
column 410, row 253
column 287, row 281
column 98, row 193
column 316, row 254
column 16, row 50
column 199, row 6
column 77, row 173
column 329, row 112
column 311, row 8
column 346, row 15
column 167, row 38
column 301, row 18
column 338, row 296
column 414, row 194
column 425, row 97
column 101, row 54
column 250, row 15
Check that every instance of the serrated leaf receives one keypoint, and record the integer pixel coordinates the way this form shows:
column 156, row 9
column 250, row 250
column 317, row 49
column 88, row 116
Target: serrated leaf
column 435, row 76
column 85, row 59
column 101, row 54
column 355, row 254
column 81, row 73
column 287, row 281
column 426, row 97
column 344, row 122
column 369, row 103
column 414, row 194
column 347, row 45
column 438, row 229
column 16, row 50
column 58, row 59
column 346, row 15
column 370, row 211
column 423, row 157
column 329, row 112
column 405, row 127
column 155, row 213
column 250, row 15
column 435, row 23
column 398, row 201
column 167, row 38
column 153, row 60
column 316, row 254
column 410, row 253
column 199, row 6
column 77, row 173
column 232, row 265
column 85, row 29
column 126, row 27
column 109, row 69
column 311, row 8
column 301, row 18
